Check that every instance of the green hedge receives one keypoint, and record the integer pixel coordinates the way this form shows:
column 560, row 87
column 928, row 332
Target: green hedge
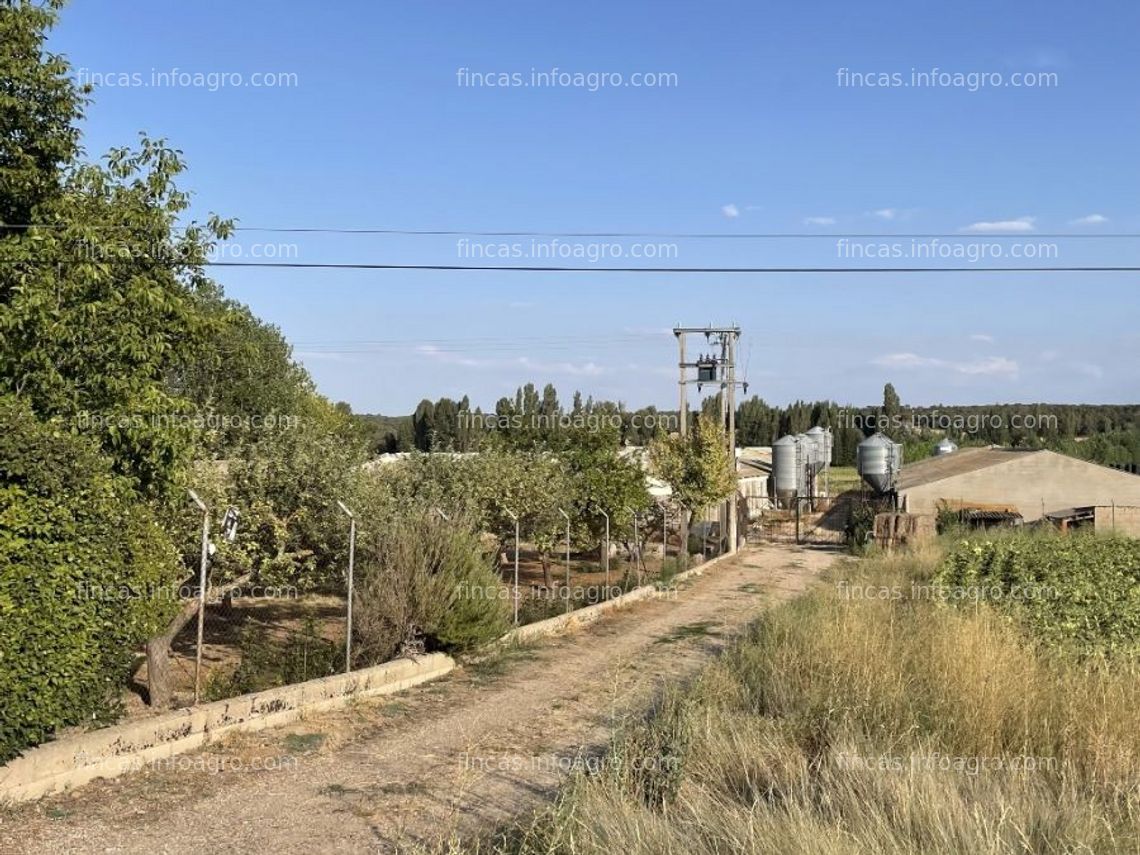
column 85, row 577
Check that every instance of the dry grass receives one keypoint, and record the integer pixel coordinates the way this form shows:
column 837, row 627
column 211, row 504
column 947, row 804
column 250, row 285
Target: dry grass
column 844, row 725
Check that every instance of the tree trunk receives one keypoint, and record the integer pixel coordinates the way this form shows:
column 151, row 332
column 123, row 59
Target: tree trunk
column 547, row 579
column 159, row 689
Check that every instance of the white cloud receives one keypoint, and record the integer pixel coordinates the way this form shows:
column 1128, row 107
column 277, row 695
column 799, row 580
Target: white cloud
column 318, row 355
column 1019, row 225
column 819, row 221
column 447, row 357
column 730, row 210
column 583, row 369
column 1090, row 220
column 992, row 366
column 885, row 213
column 450, row 358
column 1089, row 369
column 904, row 360
column 982, row 337
column 1049, row 355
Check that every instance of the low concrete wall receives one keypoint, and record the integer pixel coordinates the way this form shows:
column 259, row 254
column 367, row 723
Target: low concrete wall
column 66, row 763
column 579, row 618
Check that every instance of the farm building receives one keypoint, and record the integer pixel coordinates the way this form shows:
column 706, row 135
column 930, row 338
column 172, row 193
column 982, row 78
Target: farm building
column 753, row 473
column 1038, row 484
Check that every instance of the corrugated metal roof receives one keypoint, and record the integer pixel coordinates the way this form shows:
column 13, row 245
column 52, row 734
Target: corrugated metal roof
column 959, row 463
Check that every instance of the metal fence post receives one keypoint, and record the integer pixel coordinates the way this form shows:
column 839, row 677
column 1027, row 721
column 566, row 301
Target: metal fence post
column 516, row 519
column 201, row 592
column 567, row 557
column 607, row 553
column 636, row 544
column 351, row 562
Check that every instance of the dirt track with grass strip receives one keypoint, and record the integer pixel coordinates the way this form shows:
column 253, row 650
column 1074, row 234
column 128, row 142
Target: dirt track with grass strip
column 452, row 758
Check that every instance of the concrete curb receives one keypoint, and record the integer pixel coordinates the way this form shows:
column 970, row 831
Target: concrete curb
column 587, row 615
column 112, row 751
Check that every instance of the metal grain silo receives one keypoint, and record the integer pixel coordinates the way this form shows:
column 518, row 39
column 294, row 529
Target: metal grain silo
column 809, row 456
column 878, row 459
column 786, row 469
column 821, row 438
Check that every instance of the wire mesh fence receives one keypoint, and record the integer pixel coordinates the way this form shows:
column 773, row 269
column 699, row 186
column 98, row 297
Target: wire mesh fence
column 255, row 635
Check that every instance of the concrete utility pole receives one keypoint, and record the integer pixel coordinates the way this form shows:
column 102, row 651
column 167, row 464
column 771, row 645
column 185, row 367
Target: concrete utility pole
column 719, row 371
column 682, row 407
column 731, row 370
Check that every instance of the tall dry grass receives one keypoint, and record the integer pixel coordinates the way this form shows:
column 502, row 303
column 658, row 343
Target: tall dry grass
column 848, row 724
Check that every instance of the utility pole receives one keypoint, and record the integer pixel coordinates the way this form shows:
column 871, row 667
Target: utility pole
column 730, row 368
column 715, row 371
column 683, row 403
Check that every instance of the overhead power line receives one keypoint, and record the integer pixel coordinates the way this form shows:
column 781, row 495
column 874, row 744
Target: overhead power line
column 499, row 268
column 502, row 268
column 612, row 234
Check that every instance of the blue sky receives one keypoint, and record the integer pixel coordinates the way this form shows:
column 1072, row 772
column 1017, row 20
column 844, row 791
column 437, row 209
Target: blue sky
column 762, row 126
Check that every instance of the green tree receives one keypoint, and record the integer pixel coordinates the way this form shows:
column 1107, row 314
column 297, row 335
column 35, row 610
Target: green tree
column 892, row 406
column 695, row 466
column 39, row 109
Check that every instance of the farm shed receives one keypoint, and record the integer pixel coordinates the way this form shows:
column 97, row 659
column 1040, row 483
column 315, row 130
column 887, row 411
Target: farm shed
column 1119, row 518
column 1036, row 483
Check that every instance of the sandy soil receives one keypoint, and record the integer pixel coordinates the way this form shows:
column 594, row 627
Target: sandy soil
column 452, row 758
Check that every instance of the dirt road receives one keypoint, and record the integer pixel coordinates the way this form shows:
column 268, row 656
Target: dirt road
column 454, row 757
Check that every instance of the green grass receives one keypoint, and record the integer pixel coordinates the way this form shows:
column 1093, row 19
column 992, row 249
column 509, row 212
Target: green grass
column 698, row 629
column 303, row 743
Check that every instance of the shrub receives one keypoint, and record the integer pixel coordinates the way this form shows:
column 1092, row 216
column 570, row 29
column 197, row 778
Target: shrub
column 423, row 578
column 267, row 662
column 85, row 576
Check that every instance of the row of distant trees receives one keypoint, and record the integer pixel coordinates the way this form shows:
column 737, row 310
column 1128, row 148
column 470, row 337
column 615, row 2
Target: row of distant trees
column 1104, row 433
column 529, row 417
